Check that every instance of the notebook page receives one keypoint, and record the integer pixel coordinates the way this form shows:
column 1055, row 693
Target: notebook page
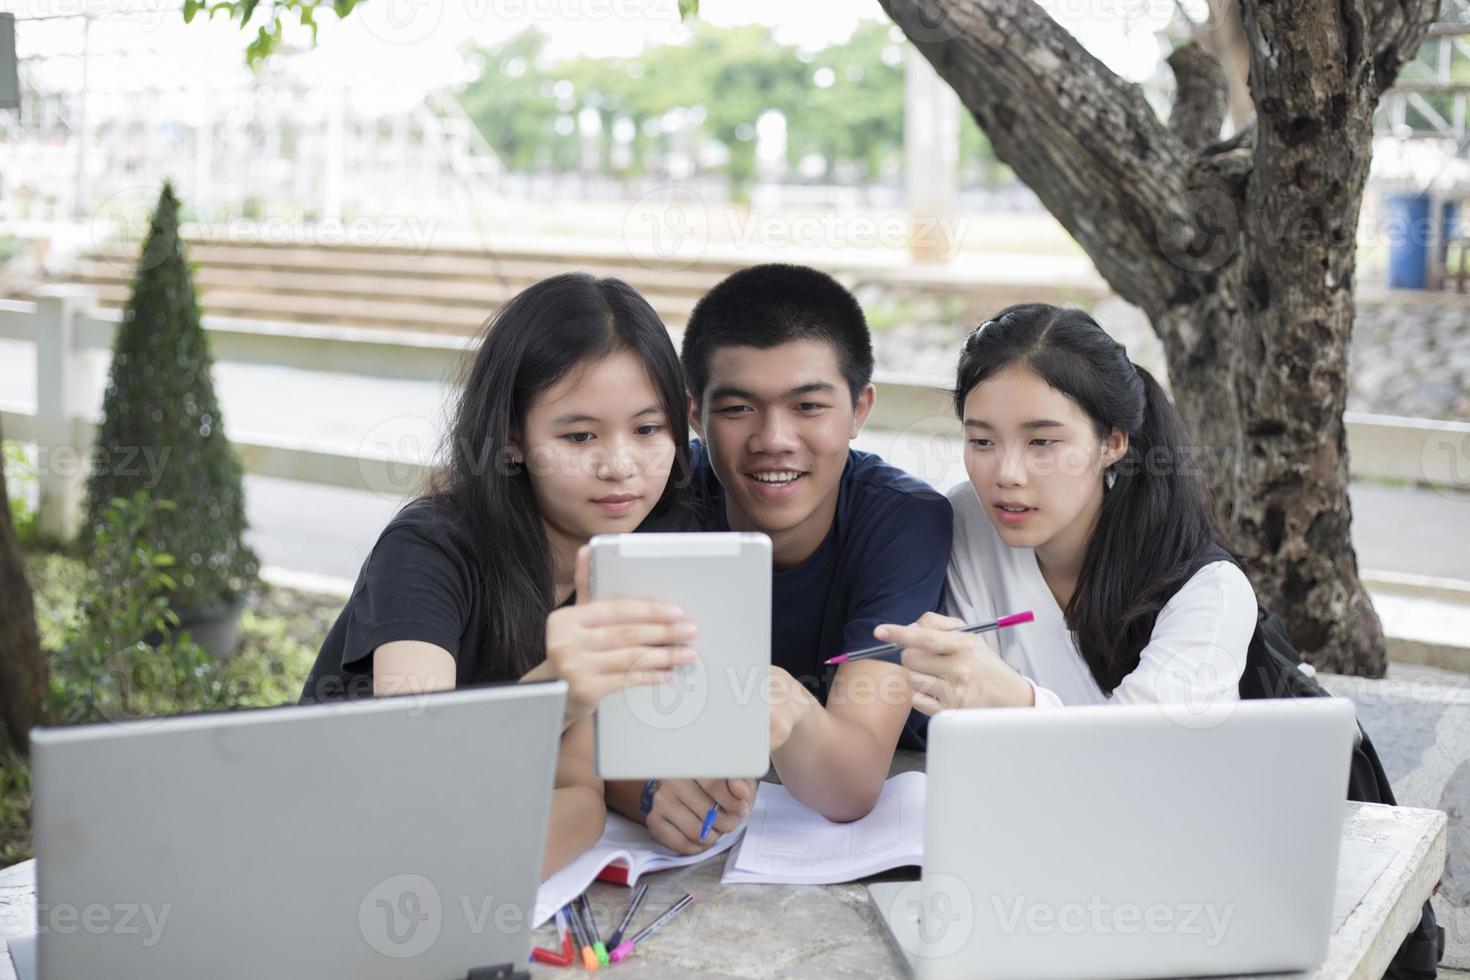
column 622, row 840
column 786, row 840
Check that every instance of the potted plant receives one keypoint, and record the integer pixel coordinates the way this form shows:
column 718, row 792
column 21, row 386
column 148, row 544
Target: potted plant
column 162, row 432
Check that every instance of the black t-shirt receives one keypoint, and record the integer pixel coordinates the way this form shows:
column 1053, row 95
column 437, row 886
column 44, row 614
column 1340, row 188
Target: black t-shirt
column 420, row 582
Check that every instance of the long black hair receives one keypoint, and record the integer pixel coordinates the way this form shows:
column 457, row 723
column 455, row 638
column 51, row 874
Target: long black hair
column 1157, row 520
column 534, row 341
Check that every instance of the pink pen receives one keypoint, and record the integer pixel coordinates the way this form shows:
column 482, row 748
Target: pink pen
column 994, row 624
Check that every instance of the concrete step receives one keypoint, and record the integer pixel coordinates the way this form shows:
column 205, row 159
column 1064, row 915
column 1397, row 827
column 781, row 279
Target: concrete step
column 426, row 265
column 597, row 253
column 369, row 312
column 399, row 284
column 337, row 304
column 1426, row 619
column 454, row 286
column 456, row 307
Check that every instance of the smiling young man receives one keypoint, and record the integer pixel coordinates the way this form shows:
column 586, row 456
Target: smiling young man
column 779, row 364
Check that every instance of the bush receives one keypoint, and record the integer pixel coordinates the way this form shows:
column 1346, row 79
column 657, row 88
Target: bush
column 20, row 474
column 15, row 810
column 162, row 430
column 106, row 669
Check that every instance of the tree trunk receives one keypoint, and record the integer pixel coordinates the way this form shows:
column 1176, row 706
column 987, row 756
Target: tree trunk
column 22, row 667
column 1241, row 253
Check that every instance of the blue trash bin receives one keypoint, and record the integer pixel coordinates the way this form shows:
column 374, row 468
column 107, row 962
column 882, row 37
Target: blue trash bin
column 1408, row 247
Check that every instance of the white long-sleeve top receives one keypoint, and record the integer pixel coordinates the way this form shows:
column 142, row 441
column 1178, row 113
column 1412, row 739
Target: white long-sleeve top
column 1195, row 655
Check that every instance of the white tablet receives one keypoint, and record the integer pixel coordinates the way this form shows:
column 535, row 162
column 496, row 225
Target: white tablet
column 712, row 719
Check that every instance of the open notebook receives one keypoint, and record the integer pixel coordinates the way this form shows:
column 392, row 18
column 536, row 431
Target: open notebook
column 625, row 851
column 787, row 842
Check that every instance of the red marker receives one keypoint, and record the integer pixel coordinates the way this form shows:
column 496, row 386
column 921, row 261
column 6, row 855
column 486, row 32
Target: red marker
column 994, row 624
column 552, row 958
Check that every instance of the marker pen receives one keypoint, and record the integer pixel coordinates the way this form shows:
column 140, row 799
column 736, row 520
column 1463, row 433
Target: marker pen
column 625, row 950
column 633, row 904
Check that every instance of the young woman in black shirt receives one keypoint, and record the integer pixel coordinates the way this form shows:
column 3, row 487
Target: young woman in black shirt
column 570, row 423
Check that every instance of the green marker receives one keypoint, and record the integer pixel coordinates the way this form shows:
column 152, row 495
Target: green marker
column 597, row 946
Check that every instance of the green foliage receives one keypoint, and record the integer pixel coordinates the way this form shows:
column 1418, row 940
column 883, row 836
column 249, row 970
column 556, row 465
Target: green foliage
column 106, row 669
column 15, row 810
column 519, row 112
column 11, row 246
column 56, row 583
column 270, row 29
column 20, row 475
column 855, row 121
column 842, row 104
column 528, row 107
column 275, row 14
column 96, row 620
column 162, row 430
column 273, row 665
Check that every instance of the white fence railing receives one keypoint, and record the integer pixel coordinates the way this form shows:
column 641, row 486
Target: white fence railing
column 68, row 332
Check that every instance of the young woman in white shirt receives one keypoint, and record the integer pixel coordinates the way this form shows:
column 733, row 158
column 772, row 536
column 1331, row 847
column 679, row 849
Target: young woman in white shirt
column 1082, row 506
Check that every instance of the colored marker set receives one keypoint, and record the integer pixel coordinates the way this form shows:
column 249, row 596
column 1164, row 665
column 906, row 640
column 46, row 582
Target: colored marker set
column 577, row 927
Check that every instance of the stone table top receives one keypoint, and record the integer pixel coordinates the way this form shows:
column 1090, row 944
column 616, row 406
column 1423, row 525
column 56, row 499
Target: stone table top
column 765, row 931
column 1392, row 857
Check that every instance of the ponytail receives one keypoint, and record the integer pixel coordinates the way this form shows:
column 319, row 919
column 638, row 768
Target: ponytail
column 1156, row 519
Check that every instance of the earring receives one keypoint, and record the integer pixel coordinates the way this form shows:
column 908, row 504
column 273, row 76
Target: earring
column 1109, row 478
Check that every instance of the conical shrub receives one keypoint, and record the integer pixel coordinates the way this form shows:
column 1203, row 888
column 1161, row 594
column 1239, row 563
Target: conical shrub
column 162, row 430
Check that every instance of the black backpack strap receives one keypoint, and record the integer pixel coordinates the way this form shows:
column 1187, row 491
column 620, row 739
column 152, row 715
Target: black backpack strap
column 1274, row 669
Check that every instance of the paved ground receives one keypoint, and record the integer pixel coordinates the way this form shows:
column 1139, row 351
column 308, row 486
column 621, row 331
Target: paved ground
column 1397, row 529
column 1401, row 529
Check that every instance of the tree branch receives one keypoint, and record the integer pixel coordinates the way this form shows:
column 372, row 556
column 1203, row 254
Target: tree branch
column 1199, row 106
column 1397, row 27
column 1315, row 93
column 1085, row 141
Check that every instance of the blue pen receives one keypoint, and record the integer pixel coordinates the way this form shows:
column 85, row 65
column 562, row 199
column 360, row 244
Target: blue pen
column 709, row 821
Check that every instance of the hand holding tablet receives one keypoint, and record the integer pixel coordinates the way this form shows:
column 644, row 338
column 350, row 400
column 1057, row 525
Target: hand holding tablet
column 710, row 718
column 599, row 646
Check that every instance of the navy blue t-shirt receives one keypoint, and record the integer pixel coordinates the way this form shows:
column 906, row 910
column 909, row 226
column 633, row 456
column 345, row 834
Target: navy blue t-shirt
column 883, row 561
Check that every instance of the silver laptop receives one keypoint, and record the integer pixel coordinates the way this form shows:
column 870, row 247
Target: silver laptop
column 1127, row 841
column 399, row 837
